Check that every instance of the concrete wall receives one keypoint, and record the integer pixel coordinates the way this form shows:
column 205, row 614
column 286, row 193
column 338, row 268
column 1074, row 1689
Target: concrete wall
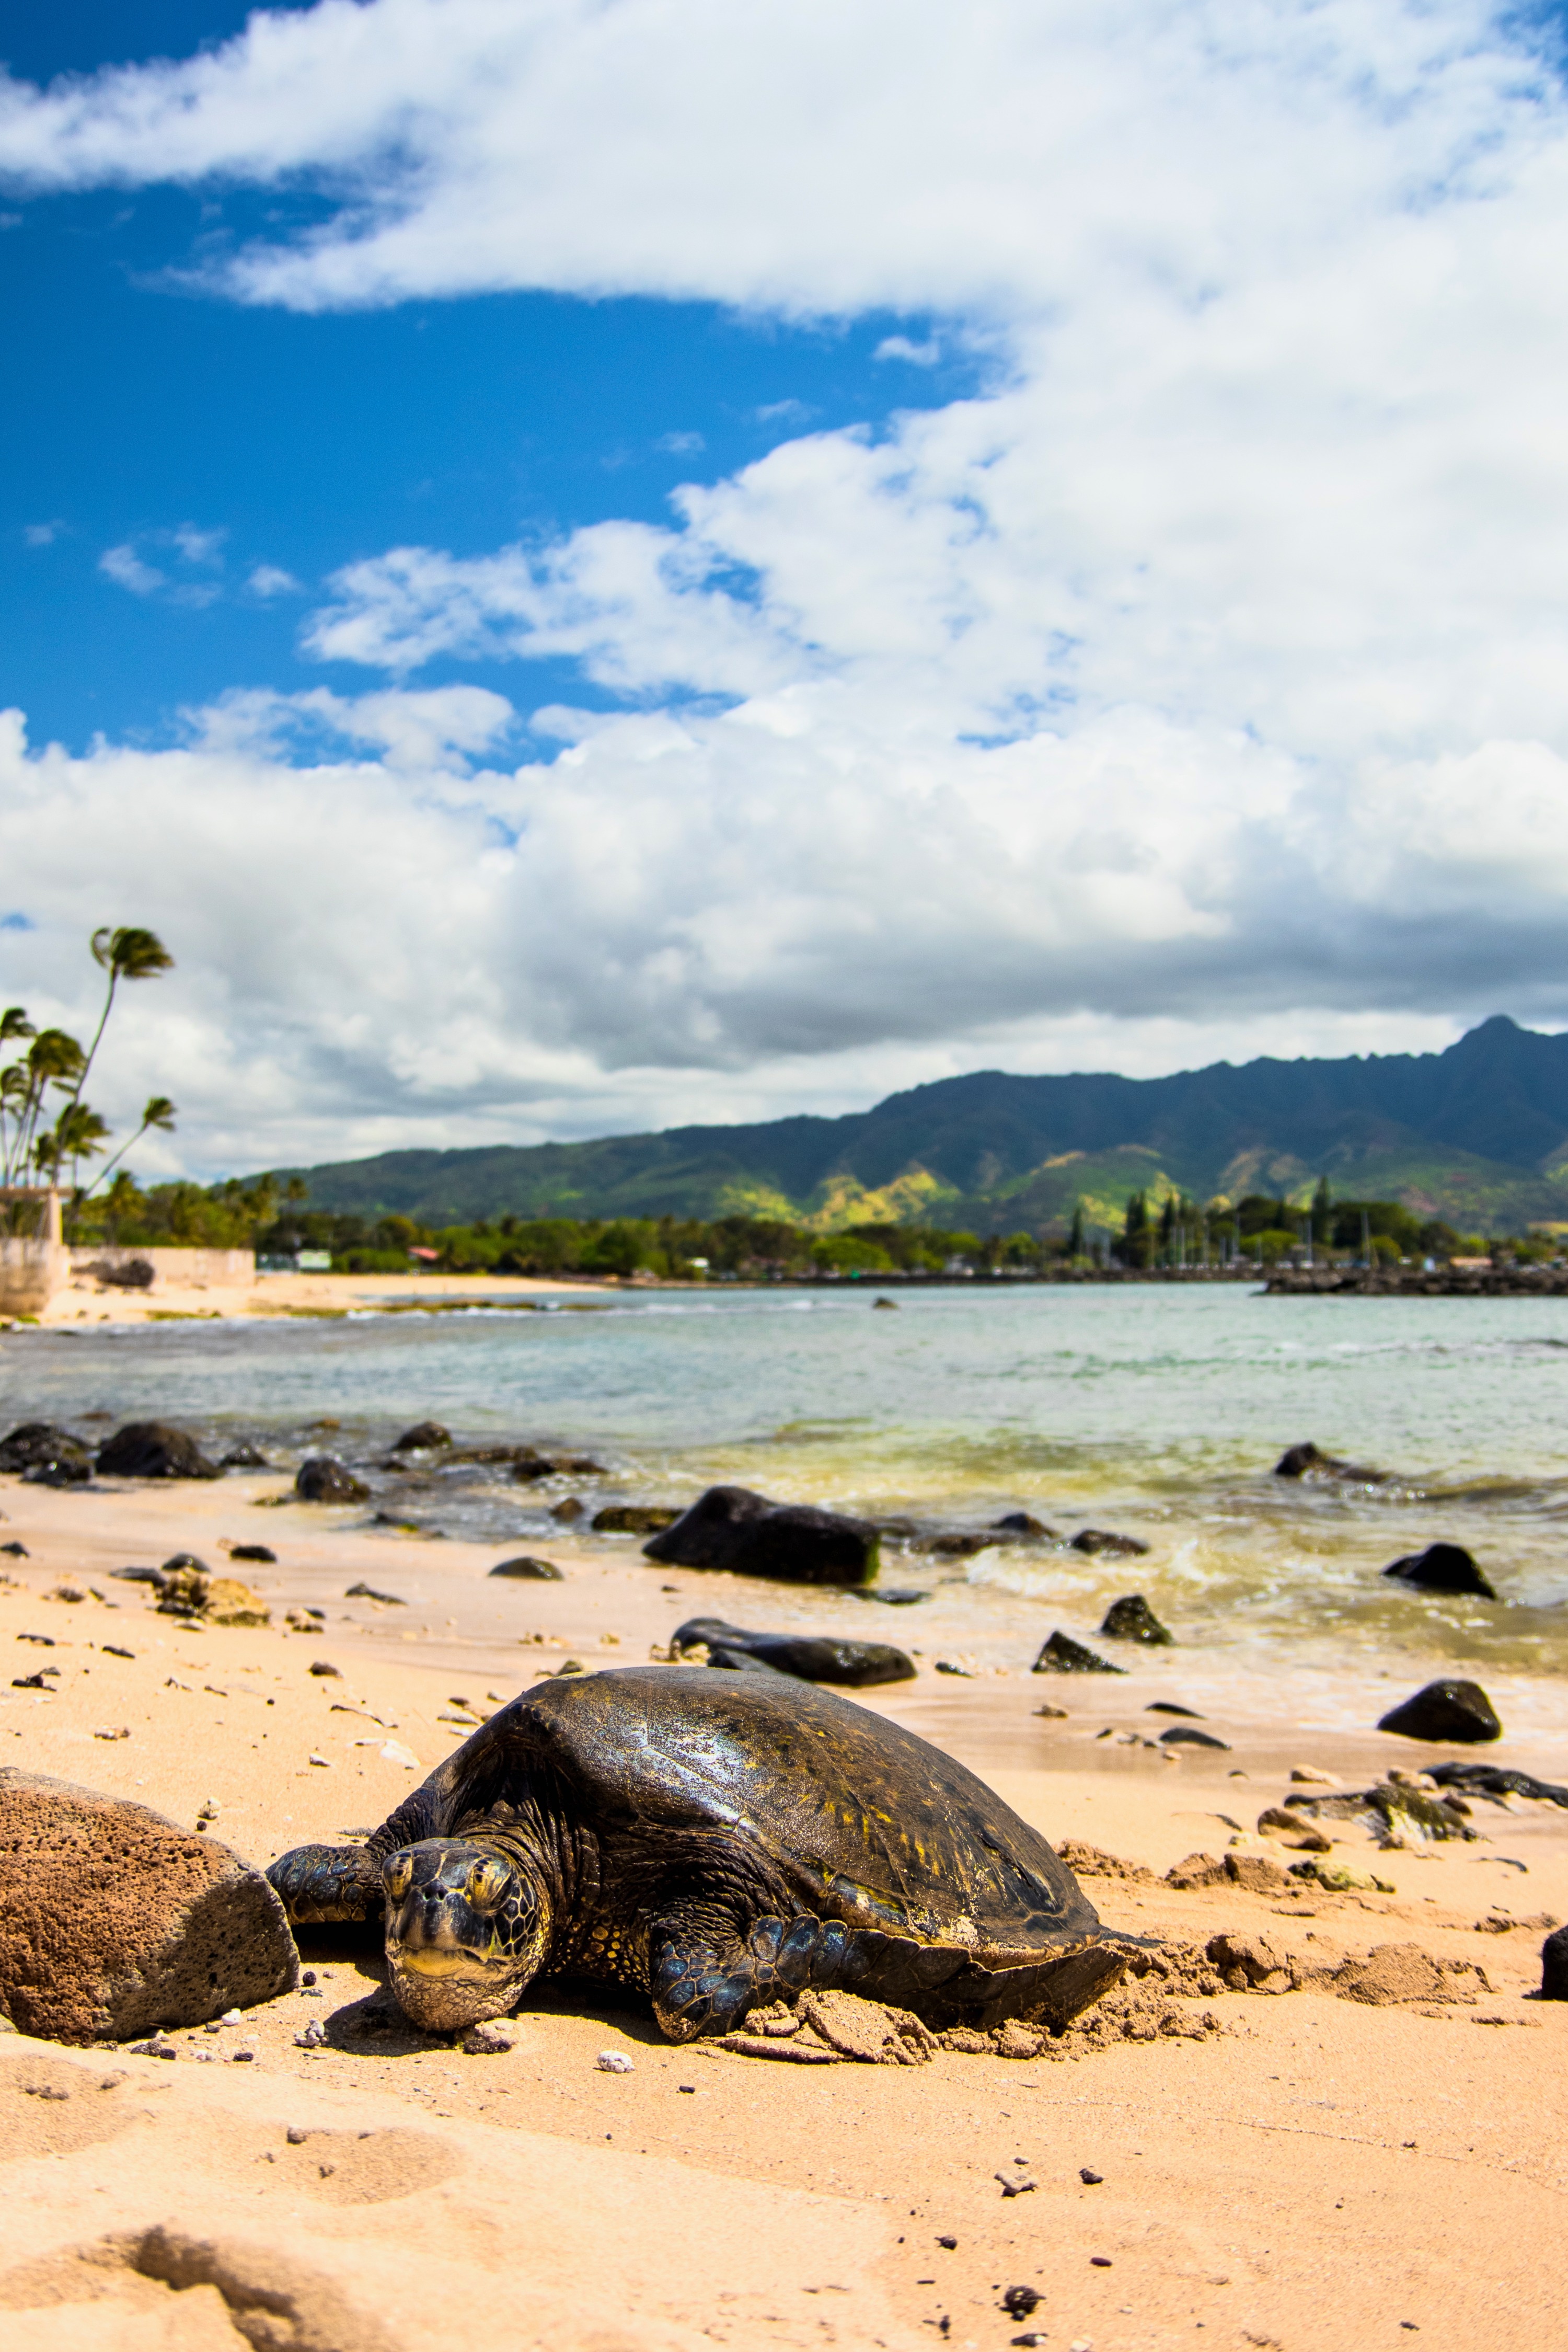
column 30, row 1274
column 212, row 1269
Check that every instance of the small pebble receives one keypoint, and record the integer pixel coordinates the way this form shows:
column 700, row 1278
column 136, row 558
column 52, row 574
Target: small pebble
column 613, row 2061
column 298, row 2134
column 492, row 2039
column 1100, row 2262
column 1021, row 2302
column 312, row 2037
column 231, row 2017
column 949, row 2242
column 307, row 1977
column 1090, row 2179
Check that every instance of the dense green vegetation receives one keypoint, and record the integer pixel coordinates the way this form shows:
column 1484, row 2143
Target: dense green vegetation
column 1177, row 1231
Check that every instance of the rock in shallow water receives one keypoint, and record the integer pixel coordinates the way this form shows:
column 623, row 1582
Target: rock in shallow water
column 626, row 1519
column 1442, row 1567
column 731, row 1527
column 114, row 1921
column 1097, row 1540
column 39, row 1445
column 1309, row 1461
column 422, row 1438
column 1132, row 1620
column 1459, row 1711
column 153, row 1449
column 324, row 1479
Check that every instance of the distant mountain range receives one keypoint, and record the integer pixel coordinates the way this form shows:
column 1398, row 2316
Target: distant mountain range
column 1478, row 1134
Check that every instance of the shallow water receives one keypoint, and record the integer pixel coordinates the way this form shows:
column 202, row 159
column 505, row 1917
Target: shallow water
column 1152, row 1411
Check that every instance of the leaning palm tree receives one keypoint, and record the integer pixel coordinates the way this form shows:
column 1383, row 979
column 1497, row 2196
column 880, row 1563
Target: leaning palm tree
column 128, row 953
column 159, row 1112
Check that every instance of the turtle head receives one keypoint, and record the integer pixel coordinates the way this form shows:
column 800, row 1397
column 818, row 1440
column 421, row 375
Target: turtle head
column 466, row 1928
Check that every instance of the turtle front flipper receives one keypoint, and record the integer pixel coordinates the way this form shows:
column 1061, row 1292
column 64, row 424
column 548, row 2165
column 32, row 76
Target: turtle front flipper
column 703, row 1978
column 326, row 1882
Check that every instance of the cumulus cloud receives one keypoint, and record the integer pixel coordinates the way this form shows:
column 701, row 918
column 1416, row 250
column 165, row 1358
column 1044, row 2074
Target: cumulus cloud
column 125, row 568
column 1195, row 682
column 269, row 580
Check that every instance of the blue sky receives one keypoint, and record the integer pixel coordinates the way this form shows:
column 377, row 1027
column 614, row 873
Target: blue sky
column 301, row 444
column 598, row 563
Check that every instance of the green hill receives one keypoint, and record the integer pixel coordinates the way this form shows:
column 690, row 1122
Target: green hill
column 1478, row 1135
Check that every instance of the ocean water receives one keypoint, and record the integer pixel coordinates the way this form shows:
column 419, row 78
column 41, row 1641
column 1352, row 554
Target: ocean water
column 1155, row 1411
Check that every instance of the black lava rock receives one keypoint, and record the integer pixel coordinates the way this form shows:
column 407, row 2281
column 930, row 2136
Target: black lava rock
column 810, row 1658
column 1062, row 1656
column 139, row 1576
column 1554, row 1966
column 263, row 1552
column 1182, row 1735
column 245, row 1457
column 1023, row 1523
column 1448, row 1711
column 1094, row 1540
column 1442, row 1567
column 956, row 1546
column 631, row 1518
column 1309, row 1461
column 324, row 1479
column 153, row 1449
column 1169, row 1707
column 39, row 1445
column 68, row 1471
column 422, row 1438
column 730, row 1528
column 1498, row 1781
column 542, row 1571
column 1132, row 1620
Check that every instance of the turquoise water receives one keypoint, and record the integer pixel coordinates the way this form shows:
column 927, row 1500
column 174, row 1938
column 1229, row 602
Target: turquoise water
column 1152, row 1411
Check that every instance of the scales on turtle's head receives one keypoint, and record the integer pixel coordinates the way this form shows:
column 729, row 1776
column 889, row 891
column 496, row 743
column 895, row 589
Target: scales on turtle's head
column 466, row 1928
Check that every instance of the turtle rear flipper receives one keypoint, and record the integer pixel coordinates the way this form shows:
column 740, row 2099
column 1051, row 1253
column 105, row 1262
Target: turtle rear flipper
column 316, row 1883
column 948, row 1985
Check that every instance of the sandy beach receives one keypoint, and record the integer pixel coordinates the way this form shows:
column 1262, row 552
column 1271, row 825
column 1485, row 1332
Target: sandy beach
column 1308, row 2171
column 86, row 1299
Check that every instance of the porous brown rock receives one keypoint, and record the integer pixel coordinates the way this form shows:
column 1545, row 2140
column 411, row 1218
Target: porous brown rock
column 114, row 1921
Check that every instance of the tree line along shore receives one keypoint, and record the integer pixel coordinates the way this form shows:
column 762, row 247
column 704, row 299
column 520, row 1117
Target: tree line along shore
column 1262, row 1233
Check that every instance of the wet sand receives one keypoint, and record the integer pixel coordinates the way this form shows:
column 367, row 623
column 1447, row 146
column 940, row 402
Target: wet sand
column 84, row 1299
column 1319, row 2174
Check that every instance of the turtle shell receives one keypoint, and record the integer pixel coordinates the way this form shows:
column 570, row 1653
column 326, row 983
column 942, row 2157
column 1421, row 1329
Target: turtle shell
column 864, row 1820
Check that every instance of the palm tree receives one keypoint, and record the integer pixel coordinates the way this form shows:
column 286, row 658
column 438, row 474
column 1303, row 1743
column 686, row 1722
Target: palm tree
column 126, row 953
column 159, row 1112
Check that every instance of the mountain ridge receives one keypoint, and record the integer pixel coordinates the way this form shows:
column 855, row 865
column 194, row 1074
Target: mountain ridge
column 1477, row 1133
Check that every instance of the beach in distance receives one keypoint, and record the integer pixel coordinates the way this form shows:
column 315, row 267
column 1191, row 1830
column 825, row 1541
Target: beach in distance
column 1336, row 2115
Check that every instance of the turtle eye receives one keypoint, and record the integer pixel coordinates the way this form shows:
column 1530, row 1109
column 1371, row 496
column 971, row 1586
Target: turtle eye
column 486, row 1884
column 397, row 1876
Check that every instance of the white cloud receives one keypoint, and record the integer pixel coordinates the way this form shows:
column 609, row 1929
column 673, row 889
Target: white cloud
column 681, row 444
column 41, row 534
column 386, row 936
column 270, row 580
column 899, row 347
column 204, row 547
column 125, row 568
column 1196, row 685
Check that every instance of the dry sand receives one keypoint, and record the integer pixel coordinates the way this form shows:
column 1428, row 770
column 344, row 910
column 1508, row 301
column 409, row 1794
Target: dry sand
column 1320, row 2174
column 84, row 1299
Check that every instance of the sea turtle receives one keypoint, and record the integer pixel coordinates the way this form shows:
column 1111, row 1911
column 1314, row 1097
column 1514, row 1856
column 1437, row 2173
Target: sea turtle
column 718, row 1840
